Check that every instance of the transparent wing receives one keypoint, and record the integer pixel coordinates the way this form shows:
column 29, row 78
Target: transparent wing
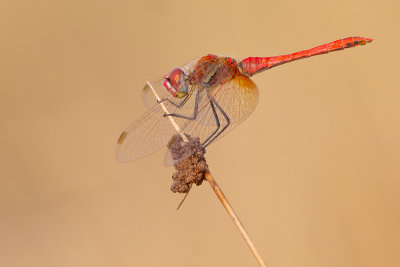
column 238, row 98
column 152, row 130
column 143, row 136
column 147, row 134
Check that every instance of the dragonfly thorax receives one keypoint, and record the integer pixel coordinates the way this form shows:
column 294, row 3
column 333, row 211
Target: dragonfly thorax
column 213, row 70
column 176, row 83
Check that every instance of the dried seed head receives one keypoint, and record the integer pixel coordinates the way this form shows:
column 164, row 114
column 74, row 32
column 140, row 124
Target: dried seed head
column 189, row 163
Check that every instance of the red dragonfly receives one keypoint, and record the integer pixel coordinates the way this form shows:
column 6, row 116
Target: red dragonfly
column 207, row 97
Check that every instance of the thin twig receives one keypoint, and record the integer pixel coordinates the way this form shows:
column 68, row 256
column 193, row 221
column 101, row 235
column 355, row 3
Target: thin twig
column 186, row 194
column 234, row 217
column 215, row 187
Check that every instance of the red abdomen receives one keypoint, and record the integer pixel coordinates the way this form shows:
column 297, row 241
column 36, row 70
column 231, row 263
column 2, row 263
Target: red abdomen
column 253, row 65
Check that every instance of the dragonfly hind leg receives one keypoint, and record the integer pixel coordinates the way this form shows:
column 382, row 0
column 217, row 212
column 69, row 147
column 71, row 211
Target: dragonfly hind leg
column 204, row 144
column 214, row 135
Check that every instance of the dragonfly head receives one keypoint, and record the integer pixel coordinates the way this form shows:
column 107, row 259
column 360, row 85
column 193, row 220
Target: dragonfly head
column 176, row 83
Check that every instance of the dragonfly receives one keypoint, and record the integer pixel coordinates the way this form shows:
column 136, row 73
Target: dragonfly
column 207, row 97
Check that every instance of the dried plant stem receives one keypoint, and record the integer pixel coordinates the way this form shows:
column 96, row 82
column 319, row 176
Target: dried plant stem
column 234, row 217
column 215, row 187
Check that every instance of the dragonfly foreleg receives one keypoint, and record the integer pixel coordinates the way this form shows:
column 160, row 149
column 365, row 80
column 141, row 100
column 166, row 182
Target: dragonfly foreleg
column 174, row 104
column 194, row 116
column 214, row 136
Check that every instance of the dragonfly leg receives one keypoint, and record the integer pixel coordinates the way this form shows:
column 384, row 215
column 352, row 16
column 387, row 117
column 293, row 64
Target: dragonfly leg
column 214, row 136
column 216, row 120
column 194, row 116
column 174, row 104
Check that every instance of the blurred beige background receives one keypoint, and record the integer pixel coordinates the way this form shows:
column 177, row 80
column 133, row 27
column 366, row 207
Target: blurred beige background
column 313, row 173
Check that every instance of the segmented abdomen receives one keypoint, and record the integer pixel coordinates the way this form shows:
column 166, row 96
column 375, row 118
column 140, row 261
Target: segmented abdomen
column 253, row 65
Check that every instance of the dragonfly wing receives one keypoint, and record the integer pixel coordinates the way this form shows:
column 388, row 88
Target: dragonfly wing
column 147, row 134
column 152, row 130
column 238, row 98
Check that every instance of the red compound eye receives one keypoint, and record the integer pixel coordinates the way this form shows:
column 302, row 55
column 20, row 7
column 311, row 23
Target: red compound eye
column 176, row 82
column 176, row 77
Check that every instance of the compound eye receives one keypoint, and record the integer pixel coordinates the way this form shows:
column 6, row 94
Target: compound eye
column 177, row 80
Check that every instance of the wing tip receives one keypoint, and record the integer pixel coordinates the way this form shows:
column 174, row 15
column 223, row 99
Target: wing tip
column 122, row 137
